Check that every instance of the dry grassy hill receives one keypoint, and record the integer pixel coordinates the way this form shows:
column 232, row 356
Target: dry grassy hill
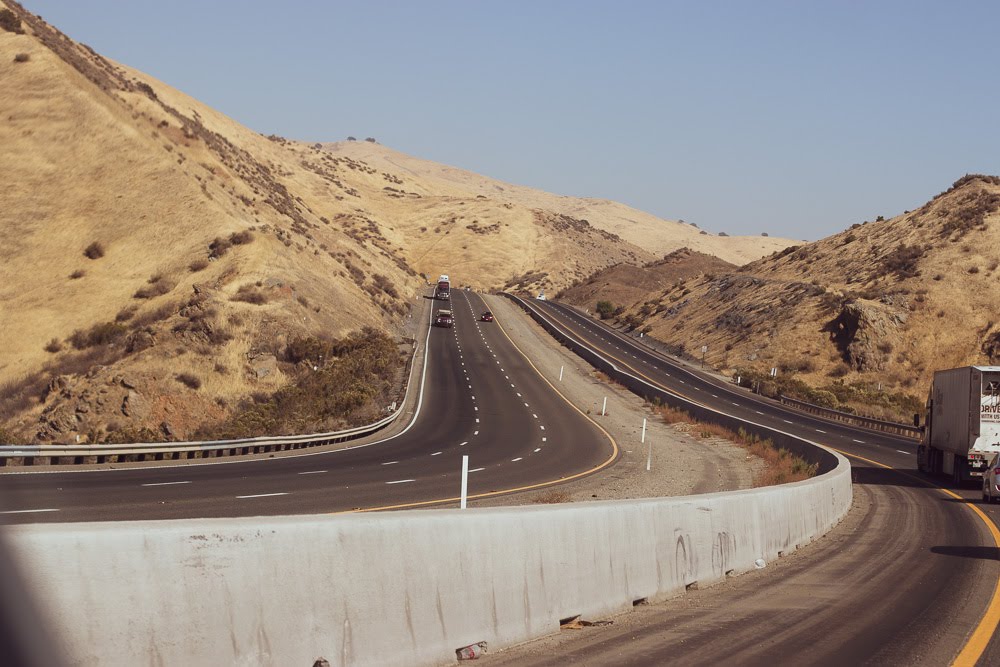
column 159, row 259
column 655, row 235
column 625, row 285
column 879, row 306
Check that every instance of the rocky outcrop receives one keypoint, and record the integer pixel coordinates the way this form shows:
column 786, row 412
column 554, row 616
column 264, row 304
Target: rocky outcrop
column 865, row 331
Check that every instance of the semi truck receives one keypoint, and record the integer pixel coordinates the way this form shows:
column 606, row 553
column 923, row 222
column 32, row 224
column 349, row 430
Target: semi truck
column 961, row 432
column 443, row 290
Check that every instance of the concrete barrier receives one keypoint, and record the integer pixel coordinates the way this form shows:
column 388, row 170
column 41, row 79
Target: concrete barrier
column 396, row 587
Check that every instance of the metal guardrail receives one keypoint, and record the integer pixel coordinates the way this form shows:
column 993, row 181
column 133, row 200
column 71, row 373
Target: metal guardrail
column 193, row 449
column 855, row 420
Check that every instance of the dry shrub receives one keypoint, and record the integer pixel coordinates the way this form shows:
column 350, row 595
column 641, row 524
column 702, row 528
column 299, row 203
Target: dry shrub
column 220, row 246
column 250, row 293
column 189, row 380
column 198, row 265
column 241, row 238
column 671, row 415
column 94, row 251
column 551, row 497
column 158, row 287
column 104, row 333
column 79, row 273
column 54, row 345
column 22, row 58
column 781, row 465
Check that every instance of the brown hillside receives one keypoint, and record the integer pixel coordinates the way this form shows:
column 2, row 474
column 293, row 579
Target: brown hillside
column 158, row 258
column 625, row 285
column 655, row 235
column 880, row 304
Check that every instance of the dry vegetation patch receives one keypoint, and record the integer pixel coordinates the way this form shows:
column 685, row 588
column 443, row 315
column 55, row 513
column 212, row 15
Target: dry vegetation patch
column 781, row 466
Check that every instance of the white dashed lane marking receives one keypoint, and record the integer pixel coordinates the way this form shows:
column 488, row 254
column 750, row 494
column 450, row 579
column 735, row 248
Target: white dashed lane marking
column 28, row 511
column 315, row 472
column 262, row 495
column 163, row 483
column 401, row 481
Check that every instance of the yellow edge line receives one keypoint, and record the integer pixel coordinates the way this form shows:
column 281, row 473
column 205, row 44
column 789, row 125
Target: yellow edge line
column 614, row 455
column 981, row 635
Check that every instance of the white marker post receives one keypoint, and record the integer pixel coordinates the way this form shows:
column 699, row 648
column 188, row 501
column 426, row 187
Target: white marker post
column 604, row 408
column 560, row 373
column 465, row 481
column 649, row 451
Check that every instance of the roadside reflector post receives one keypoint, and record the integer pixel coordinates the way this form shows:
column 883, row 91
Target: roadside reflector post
column 604, row 408
column 465, row 480
column 649, row 449
column 560, row 373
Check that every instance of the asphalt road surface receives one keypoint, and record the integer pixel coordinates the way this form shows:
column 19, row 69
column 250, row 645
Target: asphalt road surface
column 481, row 398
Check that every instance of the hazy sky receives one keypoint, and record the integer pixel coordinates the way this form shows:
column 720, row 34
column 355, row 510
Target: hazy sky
column 792, row 118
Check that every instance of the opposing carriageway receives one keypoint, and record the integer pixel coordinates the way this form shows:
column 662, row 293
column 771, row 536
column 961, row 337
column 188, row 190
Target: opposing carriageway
column 915, row 581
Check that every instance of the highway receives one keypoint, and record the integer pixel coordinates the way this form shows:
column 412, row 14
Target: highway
column 907, row 579
column 480, row 398
column 907, row 583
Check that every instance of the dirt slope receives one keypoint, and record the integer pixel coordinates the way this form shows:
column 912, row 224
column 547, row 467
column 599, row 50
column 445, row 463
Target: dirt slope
column 880, row 304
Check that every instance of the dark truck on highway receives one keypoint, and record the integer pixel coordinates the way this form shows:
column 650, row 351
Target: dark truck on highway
column 444, row 319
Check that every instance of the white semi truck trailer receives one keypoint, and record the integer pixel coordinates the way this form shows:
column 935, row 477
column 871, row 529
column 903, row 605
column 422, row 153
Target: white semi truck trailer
column 443, row 290
column 962, row 428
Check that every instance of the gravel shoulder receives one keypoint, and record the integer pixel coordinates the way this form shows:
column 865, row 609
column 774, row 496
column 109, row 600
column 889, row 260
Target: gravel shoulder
column 680, row 461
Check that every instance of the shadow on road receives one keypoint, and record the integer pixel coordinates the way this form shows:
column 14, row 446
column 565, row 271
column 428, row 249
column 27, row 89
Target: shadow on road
column 982, row 553
column 861, row 474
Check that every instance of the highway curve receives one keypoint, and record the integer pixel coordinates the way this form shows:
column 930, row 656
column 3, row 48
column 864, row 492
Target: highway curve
column 907, row 581
column 481, row 398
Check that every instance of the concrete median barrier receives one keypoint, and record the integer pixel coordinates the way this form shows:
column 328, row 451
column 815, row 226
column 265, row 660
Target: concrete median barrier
column 397, row 587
